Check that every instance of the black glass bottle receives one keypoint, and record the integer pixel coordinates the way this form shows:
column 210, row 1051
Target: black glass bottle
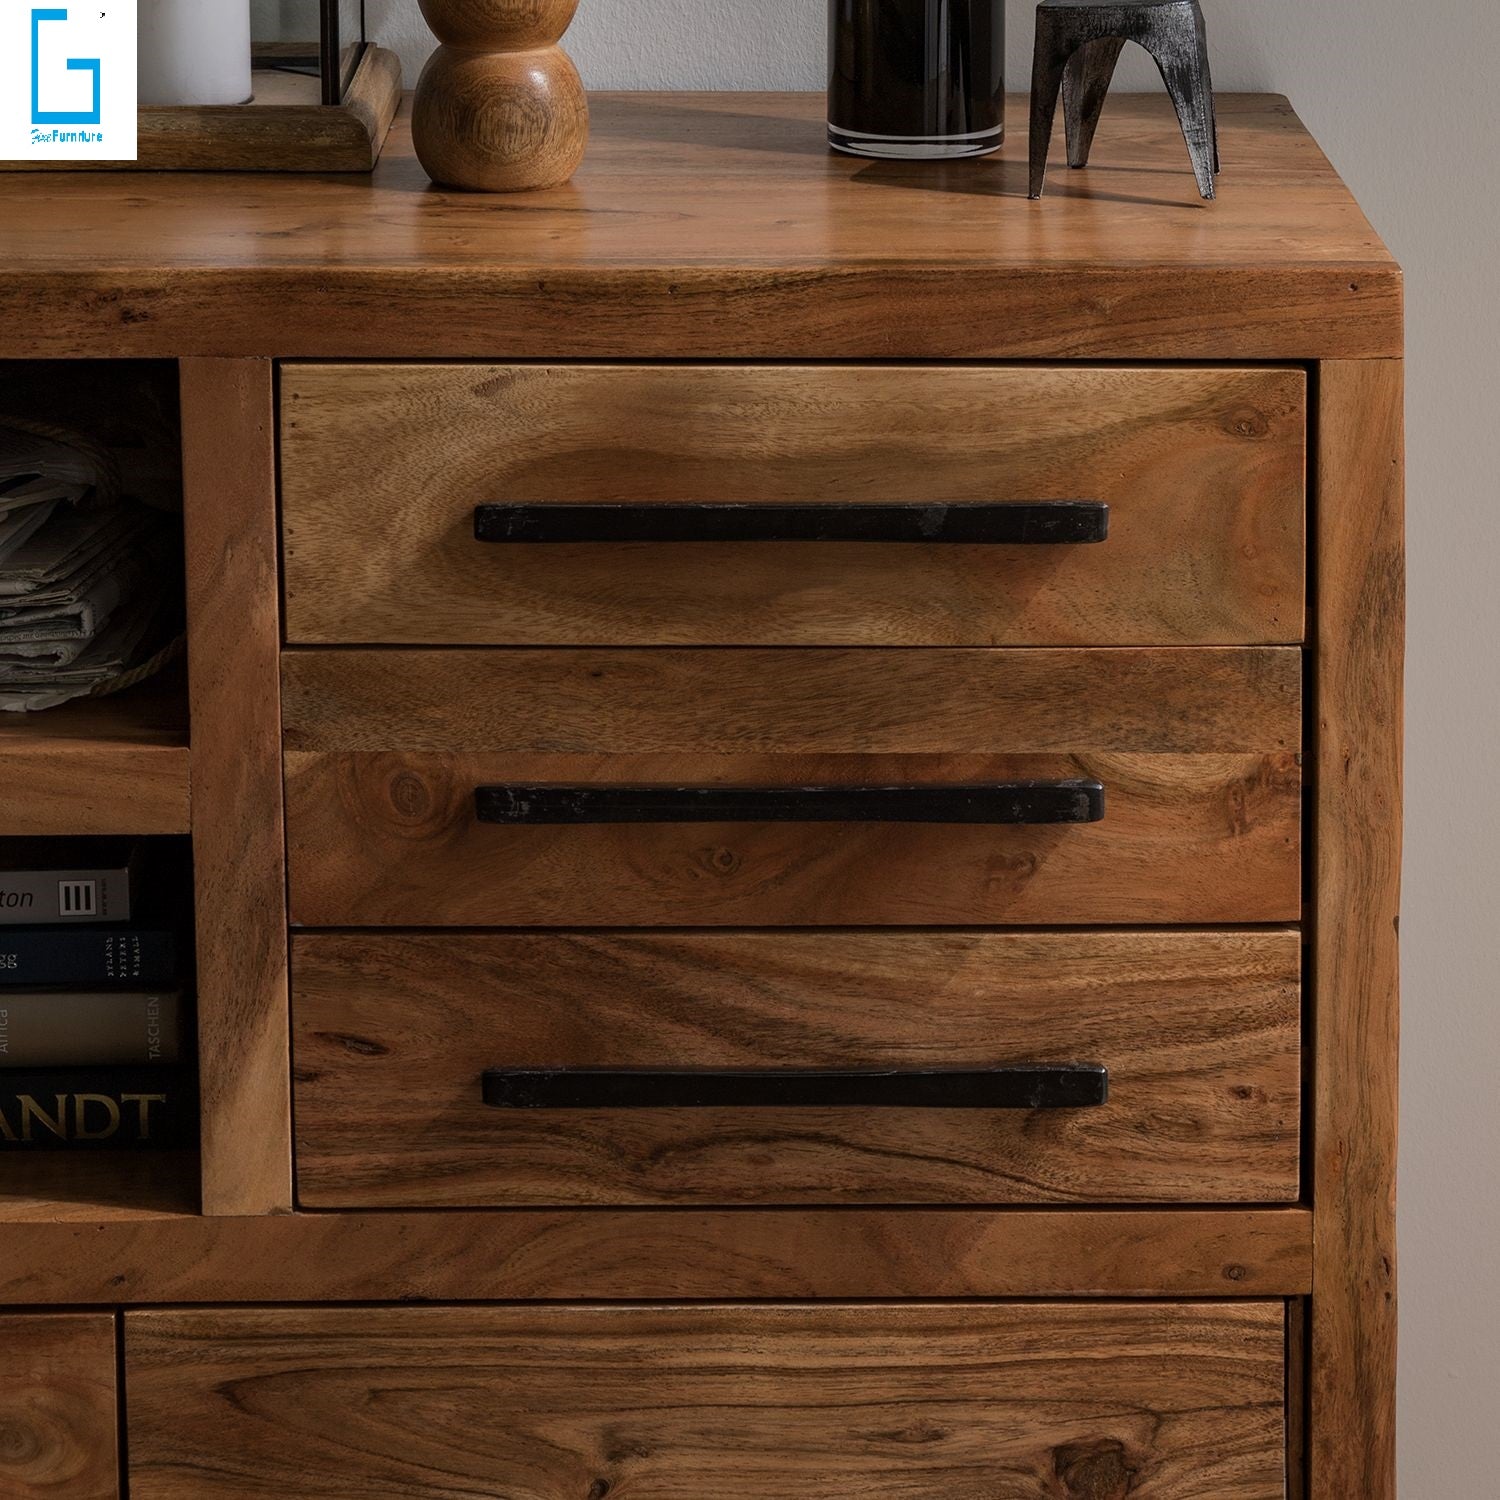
column 916, row 78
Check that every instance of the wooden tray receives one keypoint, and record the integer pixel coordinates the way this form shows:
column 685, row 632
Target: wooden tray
column 285, row 128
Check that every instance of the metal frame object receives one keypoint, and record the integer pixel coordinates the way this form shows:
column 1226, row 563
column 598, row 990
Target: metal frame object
column 1078, row 43
column 1026, row 1086
column 1015, row 524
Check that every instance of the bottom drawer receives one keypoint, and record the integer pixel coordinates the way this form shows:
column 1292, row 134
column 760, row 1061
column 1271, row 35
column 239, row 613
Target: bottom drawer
column 1198, row 1033
column 1066, row 1401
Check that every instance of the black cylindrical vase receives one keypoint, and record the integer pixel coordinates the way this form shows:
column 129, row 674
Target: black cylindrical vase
column 916, row 78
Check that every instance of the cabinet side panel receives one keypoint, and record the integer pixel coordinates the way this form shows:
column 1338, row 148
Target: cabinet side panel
column 229, row 480
column 1357, row 823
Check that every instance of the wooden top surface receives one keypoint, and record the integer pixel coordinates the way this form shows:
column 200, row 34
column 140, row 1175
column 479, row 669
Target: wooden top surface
column 719, row 225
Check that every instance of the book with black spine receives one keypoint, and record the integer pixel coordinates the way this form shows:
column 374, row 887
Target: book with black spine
column 101, row 1109
column 88, row 957
column 50, row 1029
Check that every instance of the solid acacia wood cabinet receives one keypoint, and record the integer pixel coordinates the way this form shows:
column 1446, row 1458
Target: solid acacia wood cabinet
column 794, row 777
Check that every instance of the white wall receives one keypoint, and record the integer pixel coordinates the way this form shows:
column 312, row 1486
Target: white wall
column 1402, row 94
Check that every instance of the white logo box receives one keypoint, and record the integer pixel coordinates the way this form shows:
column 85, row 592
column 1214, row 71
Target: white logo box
column 67, row 80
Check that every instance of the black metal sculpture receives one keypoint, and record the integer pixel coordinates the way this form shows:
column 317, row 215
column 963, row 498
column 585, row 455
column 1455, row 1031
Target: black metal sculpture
column 1078, row 43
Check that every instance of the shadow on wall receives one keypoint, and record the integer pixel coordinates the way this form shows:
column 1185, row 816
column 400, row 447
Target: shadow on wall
column 779, row 44
column 660, row 44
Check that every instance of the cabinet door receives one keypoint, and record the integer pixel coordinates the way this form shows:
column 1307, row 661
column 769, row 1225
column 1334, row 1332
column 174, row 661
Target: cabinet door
column 59, row 1437
column 872, row 1402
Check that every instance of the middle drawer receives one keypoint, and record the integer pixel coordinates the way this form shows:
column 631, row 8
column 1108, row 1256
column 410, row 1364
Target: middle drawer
column 787, row 788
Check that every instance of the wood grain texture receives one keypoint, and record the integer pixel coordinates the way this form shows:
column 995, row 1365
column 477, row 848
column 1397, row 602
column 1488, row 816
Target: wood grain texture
column 392, row 840
column 518, row 25
column 828, row 702
column 1357, row 801
column 286, row 128
column 229, row 482
column 59, row 1438
column 500, row 107
column 1201, row 1033
column 94, row 1187
column 1176, row 1402
column 382, row 467
column 585, row 1254
column 114, row 765
column 374, row 98
column 500, row 122
column 1296, row 1398
column 720, row 226
column 1202, row 822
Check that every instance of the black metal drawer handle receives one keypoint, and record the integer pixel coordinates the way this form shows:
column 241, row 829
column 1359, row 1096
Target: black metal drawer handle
column 1032, row 1086
column 1005, row 802
column 1033, row 523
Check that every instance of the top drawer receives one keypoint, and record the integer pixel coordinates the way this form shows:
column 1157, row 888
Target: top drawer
column 383, row 467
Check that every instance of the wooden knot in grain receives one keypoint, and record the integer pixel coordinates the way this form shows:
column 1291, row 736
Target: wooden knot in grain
column 1247, row 422
column 409, row 796
column 1094, row 1471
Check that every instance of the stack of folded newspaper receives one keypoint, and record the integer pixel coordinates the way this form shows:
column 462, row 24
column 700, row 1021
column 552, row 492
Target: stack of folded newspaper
column 87, row 605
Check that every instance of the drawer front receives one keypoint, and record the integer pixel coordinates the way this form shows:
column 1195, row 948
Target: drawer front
column 1012, row 1402
column 399, row 763
column 383, row 468
column 1199, row 1034
column 59, row 1431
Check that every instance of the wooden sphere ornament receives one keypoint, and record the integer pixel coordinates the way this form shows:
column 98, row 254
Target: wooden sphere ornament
column 500, row 107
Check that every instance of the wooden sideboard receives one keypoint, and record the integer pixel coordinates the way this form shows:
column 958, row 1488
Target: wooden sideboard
column 1131, row 803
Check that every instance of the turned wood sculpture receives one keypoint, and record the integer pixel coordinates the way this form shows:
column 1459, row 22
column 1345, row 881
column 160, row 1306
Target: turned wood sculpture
column 500, row 106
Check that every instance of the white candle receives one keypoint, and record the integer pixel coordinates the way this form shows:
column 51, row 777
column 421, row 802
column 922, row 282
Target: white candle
column 194, row 52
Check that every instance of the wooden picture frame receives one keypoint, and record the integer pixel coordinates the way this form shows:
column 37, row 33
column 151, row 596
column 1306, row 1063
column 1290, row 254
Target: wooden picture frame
column 285, row 128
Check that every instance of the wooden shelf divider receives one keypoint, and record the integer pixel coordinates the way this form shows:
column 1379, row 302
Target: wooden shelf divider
column 116, row 765
column 239, row 849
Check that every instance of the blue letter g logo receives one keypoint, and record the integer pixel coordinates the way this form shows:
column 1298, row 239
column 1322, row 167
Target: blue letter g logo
column 40, row 116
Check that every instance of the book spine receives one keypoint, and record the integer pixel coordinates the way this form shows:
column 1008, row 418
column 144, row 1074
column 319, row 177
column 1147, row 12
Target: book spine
column 127, row 958
column 31, row 896
column 71, row 1030
column 97, row 1109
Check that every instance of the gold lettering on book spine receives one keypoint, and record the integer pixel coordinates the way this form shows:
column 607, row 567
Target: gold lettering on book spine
column 144, row 1101
column 79, row 1117
column 81, row 1131
column 32, row 1111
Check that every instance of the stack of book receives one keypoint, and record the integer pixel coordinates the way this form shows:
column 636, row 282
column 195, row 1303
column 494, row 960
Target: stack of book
column 87, row 602
column 93, row 1024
